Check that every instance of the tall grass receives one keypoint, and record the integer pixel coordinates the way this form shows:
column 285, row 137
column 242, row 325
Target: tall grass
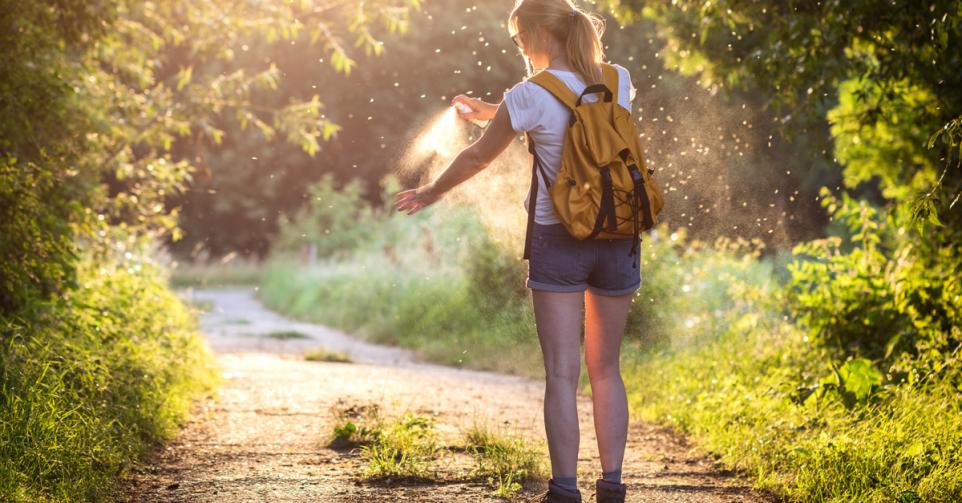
column 738, row 397
column 504, row 461
column 90, row 381
column 416, row 286
column 216, row 274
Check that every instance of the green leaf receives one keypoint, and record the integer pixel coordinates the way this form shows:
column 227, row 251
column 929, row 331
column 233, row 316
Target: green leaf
column 184, row 77
column 860, row 377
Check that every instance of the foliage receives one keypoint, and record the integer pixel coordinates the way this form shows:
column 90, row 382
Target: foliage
column 323, row 355
column 497, row 278
column 402, row 447
column 249, row 186
column 246, row 185
column 884, row 76
column 335, row 220
column 104, row 101
column 884, row 295
column 737, row 397
column 504, row 461
column 91, row 380
column 355, row 426
column 42, row 191
column 690, row 292
column 877, row 295
column 220, row 273
column 34, row 209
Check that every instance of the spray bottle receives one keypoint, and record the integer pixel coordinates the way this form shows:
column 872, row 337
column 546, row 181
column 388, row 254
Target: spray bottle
column 464, row 109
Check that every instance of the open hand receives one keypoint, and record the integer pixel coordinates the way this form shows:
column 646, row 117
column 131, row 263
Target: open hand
column 413, row 200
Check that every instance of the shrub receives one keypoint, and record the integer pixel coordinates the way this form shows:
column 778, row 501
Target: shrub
column 336, row 220
column 875, row 293
column 90, row 380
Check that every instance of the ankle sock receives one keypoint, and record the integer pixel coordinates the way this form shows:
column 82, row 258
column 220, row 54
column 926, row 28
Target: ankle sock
column 569, row 483
column 613, row 476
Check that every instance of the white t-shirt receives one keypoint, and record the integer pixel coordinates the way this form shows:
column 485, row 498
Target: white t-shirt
column 535, row 110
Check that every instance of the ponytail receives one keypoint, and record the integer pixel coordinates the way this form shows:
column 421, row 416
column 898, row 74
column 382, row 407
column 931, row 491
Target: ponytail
column 583, row 46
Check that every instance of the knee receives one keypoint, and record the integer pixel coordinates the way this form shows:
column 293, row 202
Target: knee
column 563, row 375
column 600, row 371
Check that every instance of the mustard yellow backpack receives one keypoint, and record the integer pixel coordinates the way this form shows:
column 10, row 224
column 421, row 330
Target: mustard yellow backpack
column 603, row 189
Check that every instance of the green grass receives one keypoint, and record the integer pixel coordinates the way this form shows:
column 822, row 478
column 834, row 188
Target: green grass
column 285, row 335
column 505, row 461
column 355, row 425
column 91, row 382
column 216, row 274
column 442, row 321
column 408, row 447
column 734, row 397
column 404, row 447
column 399, row 447
column 201, row 306
column 323, row 355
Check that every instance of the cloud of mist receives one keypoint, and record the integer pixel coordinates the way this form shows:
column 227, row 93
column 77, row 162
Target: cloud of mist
column 496, row 193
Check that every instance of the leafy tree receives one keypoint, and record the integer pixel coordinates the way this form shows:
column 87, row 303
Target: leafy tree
column 99, row 99
column 42, row 190
column 885, row 77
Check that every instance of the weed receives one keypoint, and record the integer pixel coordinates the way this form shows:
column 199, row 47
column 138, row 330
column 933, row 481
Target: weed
column 323, row 355
column 404, row 447
column 506, row 462
column 355, row 425
column 285, row 335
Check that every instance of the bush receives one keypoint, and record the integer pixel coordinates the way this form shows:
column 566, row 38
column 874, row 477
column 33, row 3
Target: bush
column 37, row 251
column 877, row 293
column 334, row 221
column 90, row 380
column 691, row 292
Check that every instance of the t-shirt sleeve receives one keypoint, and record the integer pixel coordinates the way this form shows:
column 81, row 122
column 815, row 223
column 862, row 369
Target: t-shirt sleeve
column 523, row 108
column 626, row 88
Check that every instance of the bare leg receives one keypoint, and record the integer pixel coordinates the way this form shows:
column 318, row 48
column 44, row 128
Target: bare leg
column 558, row 318
column 604, row 327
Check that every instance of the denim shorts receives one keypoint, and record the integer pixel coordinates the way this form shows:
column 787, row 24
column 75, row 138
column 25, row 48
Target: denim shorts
column 562, row 263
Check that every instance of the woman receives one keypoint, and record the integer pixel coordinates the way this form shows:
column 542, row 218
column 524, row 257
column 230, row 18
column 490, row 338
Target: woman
column 567, row 276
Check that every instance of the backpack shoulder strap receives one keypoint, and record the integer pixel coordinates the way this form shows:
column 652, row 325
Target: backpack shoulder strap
column 609, row 75
column 557, row 88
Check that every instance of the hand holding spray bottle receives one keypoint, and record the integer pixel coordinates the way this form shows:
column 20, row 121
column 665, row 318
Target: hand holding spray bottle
column 464, row 109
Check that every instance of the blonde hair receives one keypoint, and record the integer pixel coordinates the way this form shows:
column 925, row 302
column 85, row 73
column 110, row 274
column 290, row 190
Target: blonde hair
column 580, row 33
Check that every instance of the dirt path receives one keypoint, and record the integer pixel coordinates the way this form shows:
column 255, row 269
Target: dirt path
column 263, row 438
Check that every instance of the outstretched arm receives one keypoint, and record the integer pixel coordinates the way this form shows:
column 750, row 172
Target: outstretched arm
column 470, row 161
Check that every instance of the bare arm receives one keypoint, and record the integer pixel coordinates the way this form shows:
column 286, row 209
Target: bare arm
column 470, row 161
